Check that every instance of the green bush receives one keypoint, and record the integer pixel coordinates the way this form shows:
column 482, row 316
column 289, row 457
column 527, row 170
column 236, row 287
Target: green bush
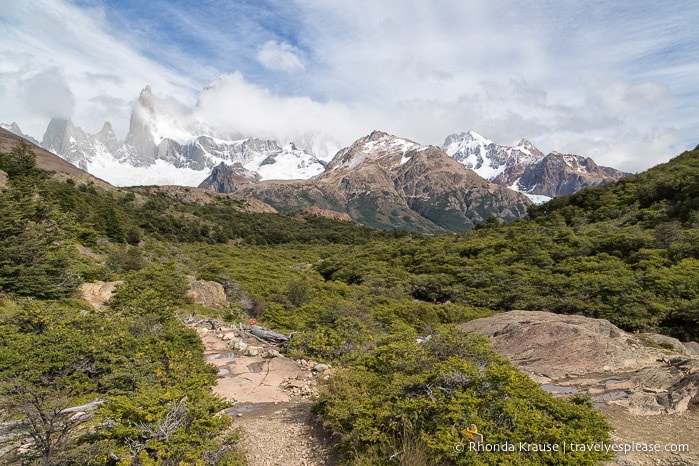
column 405, row 400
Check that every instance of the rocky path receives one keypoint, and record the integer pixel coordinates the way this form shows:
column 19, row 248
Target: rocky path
column 272, row 396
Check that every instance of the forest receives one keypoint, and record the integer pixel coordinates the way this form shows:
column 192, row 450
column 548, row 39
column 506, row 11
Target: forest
column 356, row 297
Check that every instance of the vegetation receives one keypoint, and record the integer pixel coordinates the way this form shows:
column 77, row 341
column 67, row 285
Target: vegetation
column 408, row 400
column 353, row 296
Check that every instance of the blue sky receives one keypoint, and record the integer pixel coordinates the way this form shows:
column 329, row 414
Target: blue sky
column 616, row 81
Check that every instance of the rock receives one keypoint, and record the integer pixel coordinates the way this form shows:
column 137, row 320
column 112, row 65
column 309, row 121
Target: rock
column 87, row 252
column 206, row 293
column 240, row 346
column 666, row 342
column 253, row 350
column 294, row 384
column 692, row 348
column 576, row 354
column 320, row 367
column 3, row 179
column 272, row 353
column 555, row 345
column 98, row 293
column 229, row 336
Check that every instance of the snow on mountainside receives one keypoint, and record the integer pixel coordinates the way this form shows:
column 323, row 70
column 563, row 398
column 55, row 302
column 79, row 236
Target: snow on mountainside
column 525, row 168
column 162, row 148
column 170, row 144
column 496, row 163
column 380, row 148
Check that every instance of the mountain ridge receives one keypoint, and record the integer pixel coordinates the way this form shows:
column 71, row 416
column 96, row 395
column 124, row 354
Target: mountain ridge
column 167, row 144
column 385, row 181
column 525, row 168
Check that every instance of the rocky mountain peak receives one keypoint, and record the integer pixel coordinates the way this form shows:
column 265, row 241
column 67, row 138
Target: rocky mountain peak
column 59, row 134
column 526, row 145
column 145, row 98
column 228, row 178
column 524, row 167
column 15, row 129
column 379, row 147
column 140, row 135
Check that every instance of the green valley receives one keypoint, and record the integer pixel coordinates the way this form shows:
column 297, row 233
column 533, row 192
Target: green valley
column 381, row 305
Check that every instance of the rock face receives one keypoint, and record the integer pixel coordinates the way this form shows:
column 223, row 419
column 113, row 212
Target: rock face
column 560, row 174
column 206, row 293
column 76, row 146
column 525, row 168
column 97, row 294
column 318, row 212
column 388, row 182
column 575, row 354
column 3, row 179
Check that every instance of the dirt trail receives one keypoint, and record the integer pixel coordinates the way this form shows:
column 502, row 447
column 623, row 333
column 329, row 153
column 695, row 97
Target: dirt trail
column 272, row 396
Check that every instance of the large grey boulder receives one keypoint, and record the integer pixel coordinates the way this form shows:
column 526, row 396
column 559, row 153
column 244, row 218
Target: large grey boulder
column 577, row 354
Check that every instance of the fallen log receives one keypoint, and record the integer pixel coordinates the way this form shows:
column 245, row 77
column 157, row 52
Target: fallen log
column 268, row 336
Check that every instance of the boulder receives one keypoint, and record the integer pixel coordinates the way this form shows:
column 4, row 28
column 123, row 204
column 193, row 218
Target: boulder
column 667, row 342
column 556, row 346
column 206, row 293
column 576, row 354
column 253, row 350
column 97, row 294
column 240, row 345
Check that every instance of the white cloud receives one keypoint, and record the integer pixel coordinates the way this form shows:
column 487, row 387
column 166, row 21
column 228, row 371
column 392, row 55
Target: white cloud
column 280, row 56
column 237, row 108
column 47, row 93
column 602, row 80
column 59, row 59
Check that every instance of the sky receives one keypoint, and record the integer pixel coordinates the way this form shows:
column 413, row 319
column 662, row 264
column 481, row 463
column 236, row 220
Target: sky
column 616, row 81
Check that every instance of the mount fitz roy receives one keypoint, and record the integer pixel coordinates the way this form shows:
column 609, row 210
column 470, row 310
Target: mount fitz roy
column 160, row 149
column 165, row 147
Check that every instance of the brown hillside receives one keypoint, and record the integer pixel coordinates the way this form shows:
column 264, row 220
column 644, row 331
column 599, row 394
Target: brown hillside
column 48, row 161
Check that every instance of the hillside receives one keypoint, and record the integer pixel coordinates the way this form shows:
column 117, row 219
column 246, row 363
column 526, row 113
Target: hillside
column 48, row 161
column 626, row 251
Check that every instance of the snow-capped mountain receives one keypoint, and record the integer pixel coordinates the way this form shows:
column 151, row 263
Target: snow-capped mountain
column 525, row 168
column 380, row 148
column 168, row 144
column 163, row 148
column 385, row 182
column 496, row 163
column 14, row 129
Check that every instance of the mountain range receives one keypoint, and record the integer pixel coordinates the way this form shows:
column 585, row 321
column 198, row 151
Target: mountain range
column 380, row 180
column 385, row 181
column 525, row 168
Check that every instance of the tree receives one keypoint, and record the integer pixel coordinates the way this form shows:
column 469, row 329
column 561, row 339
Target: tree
column 20, row 161
column 44, row 415
column 34, row 252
